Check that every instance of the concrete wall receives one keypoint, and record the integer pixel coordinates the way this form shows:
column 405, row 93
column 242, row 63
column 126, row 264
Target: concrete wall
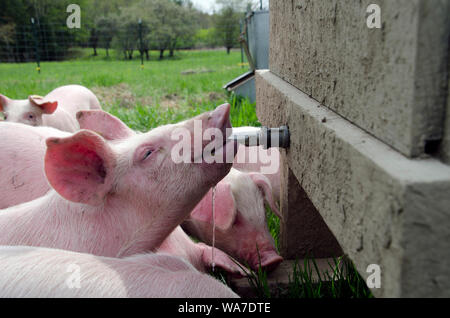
column 390, row 82
column 362, row 105
column 382, row 207
column 444, row 150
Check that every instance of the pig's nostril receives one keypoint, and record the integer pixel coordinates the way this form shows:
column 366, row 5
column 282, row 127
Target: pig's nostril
column 271, row 263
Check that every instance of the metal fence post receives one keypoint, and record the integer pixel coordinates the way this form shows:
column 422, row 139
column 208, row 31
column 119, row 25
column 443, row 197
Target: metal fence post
column 36, row 46
column 242, row 48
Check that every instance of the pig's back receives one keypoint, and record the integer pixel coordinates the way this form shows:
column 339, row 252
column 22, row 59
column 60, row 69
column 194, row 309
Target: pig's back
column 22, row 154
column 44, row 272
column 73, row 98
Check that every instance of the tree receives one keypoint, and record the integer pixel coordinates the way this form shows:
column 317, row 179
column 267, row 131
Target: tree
column 183, row 26
column 162, row 32
column 227, row 27
column 93, row 39
column 107, row 27
column 165, row 25
column 126, row 38
column 7, row 40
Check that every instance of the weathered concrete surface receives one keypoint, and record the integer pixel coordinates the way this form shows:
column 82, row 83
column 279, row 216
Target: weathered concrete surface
column 382, row 207
column 303, row 232
column 391, row 81
column 444, row 150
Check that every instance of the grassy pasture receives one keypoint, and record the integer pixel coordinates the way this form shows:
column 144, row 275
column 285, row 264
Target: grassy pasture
column 191, row 81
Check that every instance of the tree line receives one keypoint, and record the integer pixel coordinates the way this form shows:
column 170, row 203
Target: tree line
column 124, row 26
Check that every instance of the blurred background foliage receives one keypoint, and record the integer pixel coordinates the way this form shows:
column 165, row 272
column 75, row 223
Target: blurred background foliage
column 127, row 26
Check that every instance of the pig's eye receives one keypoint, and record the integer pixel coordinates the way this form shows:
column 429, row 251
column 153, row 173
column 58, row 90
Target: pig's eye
column 5, row 117
column 147, row 154
column 144, row 153
column 30, row 116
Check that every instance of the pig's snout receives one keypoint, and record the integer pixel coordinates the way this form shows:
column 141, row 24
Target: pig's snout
column 269, row 260
column 219, row 119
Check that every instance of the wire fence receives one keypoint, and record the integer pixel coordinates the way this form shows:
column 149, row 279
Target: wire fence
column 38, row 42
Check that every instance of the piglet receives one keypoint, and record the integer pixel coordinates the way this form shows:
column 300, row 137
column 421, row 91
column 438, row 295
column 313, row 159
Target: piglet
column 118, row 197
column 264, row 161
column 23, row 179
column 44, row 272
column 22, row 154
column 240, row 219
column 57, row 109
column 241, row 227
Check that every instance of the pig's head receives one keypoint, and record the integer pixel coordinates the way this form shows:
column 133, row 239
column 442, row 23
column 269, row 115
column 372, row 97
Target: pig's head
column 135, row 172
column 28, row 111
column 240, row 219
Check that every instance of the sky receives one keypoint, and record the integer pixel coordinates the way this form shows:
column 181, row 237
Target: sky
column 210, row 5
column 205, row 5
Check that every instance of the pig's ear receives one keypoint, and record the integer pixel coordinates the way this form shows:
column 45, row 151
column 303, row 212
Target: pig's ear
column 48, row 107
column 264, row 185
column 80, row 167
column 224, row 207
column 107, row 125
column 3, row 102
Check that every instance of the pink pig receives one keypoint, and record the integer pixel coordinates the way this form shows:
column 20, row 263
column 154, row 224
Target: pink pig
column 23, row 179
column 240, row 220
column 22, row 154
column 241, row 227
column 57, row 109
column 43, row 272
column 265, row 161
column 115, row 198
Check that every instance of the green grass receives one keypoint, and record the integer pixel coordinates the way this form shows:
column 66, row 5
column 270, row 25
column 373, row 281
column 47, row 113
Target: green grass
column 149, row 86
column 340, row 280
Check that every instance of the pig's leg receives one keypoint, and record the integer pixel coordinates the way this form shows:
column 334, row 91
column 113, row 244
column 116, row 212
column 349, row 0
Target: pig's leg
column 199, row 255
column 221, row 260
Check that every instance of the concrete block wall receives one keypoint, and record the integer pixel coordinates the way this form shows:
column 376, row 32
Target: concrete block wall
column 444, row 150
column 361, row 104
column 390, row 82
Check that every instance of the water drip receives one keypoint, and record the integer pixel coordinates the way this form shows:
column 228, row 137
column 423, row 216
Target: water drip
column 214, row 227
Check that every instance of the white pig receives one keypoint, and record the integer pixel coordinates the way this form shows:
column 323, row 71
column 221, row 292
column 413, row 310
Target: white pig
column 264, row 161
column 44, row 272
column 241, row 227
column 57, row 109
column 115, row 198
column 22, row 154
column 240, row 219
